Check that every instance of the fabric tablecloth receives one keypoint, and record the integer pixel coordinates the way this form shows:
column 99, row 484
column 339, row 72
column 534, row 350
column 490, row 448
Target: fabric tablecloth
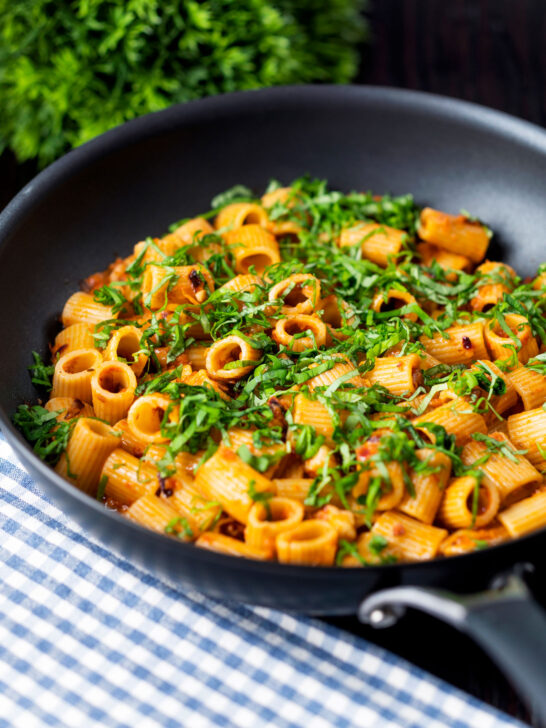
column 89, row 639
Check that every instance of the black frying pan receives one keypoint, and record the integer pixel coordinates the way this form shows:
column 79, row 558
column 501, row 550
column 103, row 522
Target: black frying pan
column 99, row 200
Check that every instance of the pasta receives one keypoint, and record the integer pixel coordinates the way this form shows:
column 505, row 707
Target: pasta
column 74, row 372
column 75, row 336
column 113, row 387
column 309, row 377
column 399, row 374
column 124, row 344
column 378, row 243
column 91, row 442
column 266, row 523
column 455, row 233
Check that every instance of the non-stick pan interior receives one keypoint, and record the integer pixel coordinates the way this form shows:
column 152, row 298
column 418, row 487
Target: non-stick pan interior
column 98, row 201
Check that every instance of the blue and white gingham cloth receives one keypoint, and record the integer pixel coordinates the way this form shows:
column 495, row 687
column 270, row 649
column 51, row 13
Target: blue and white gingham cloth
column 87, row 639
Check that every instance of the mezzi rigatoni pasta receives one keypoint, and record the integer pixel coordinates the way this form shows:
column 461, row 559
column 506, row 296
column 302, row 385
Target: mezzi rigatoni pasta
column 308, row 376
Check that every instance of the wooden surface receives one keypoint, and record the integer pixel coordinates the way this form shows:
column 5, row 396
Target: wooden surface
column 491, row 52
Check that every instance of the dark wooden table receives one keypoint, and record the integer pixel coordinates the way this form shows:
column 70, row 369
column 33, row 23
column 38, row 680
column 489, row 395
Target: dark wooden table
column 491, row 52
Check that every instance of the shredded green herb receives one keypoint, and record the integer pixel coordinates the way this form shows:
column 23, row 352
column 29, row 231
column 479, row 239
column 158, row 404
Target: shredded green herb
column 41, row 373
column 48, row 437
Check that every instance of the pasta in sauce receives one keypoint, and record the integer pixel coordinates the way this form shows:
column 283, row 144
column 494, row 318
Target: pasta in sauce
column 311, row 377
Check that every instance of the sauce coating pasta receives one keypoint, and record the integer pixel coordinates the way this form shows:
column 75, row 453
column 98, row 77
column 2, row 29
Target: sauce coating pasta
column 311, row 377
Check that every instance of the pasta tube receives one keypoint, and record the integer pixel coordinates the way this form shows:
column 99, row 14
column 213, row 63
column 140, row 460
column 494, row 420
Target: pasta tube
column 231, row 358
column 428, row 487
column 128, row 478
column 227, row 479
column 341, row 519
column 393, row 300
column 526, row 515
column 146, row 415
column 129, row 441
column 336, row 313
column 455, row 233
column 155, row 285
column 73, row 374
column 157, row 251
column 191, row 234
column 222, row 544
column 253, row 248
column 379, row 243
column 459, row 502
column 81, row 308
column 499, row 402
column 448, row 261
column 506, row 470
column 323, row 458
column 197, row 356
column 399, row 374
column 490, row 291
column 311, row 412
column 68, row 408
column 299, row 293
column 201, row 379
column 193, row 284
column 125, row 344
column 266, row 522
column 280, row 195
column 468, row 540
column 312, row 542
column 157, row 514
column 502, row 346
column 456, row 416
column 427, row 360
column 200, row 513
column 76, row 336
column 414, row 541
column 392, row 490
column 490, row 294
column 342, row 368
column 237, row 436
column 530, row 387
column 193, row 230
column 242, row 283
column 89, row 445
column 527, row 430
column 298, row 489
column 113, row 387
column 540, row 282
column 189, row 284
column 458, row 344
column 300, row 332
column 369, row 554
column 241, row 213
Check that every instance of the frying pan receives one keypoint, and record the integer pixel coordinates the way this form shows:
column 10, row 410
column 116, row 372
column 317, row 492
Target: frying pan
column 100, row 199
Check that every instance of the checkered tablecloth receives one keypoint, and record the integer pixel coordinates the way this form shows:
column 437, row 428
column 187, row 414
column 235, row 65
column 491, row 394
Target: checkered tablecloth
column 88, row 639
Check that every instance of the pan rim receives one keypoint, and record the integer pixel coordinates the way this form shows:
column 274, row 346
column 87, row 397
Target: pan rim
column 149, row 125
column 155, row 122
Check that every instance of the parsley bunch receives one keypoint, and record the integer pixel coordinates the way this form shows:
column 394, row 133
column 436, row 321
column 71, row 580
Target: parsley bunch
column 71, row 69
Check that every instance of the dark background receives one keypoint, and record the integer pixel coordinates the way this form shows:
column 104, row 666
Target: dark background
column 491, row 52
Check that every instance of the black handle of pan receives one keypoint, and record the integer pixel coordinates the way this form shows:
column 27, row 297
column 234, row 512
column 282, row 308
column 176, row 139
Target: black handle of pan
column 505, row 621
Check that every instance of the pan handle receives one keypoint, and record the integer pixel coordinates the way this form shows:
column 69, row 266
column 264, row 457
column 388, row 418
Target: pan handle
column 505, row 621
